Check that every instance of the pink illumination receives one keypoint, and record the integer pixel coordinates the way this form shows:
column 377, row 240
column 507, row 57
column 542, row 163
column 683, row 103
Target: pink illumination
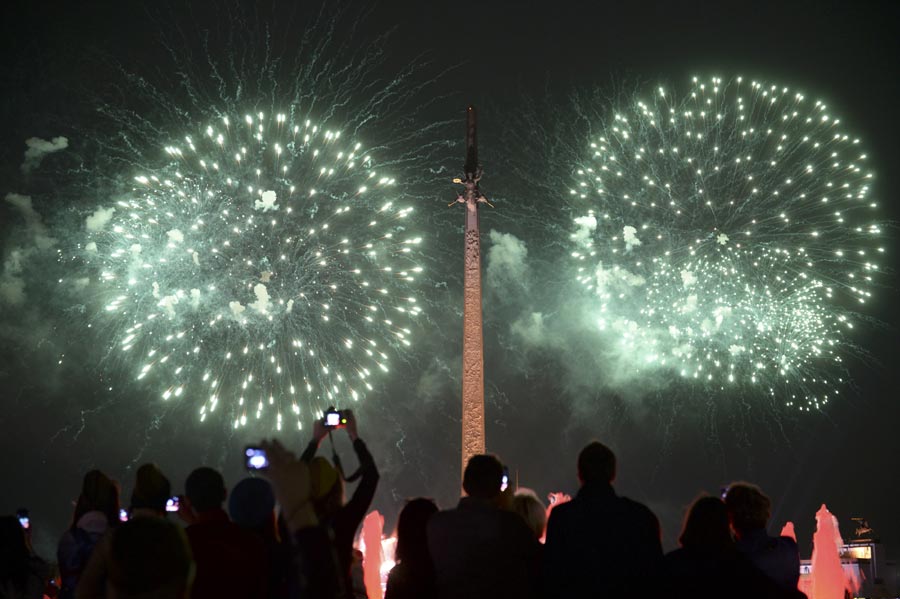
column 555, row 499
column 788, row 531
column 371, row 547
column 829, row 579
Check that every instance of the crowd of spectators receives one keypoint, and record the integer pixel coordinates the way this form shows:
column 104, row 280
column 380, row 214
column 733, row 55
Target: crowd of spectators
column 290, row 534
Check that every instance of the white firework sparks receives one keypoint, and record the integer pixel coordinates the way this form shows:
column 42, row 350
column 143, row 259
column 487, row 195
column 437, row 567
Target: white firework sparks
column 265, row 269
column 728, row 236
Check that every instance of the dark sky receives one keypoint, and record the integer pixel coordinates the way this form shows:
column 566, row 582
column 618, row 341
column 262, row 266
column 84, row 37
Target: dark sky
column 497, row 54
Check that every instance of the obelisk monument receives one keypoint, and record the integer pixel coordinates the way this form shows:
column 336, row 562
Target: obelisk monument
column 473, row 346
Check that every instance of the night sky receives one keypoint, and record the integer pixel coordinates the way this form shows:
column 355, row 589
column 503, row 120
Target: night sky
column 519, row 63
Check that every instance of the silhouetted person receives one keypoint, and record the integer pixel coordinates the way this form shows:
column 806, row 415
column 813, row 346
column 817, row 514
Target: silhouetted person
column 230, row 561
column 149, row 559
column 96, row 512
column 148, row 500
column 480, row 550
column 777, row 557
column 599, row 544
column 23, row 575
column 328, row 491
column 314, row 569
column 413, row 576
column 709, row 566
column 251, row 505
column 151, row 492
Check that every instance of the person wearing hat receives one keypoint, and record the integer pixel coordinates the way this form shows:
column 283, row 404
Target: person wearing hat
column 148, row 500
column 251, row 505
column 327, row 489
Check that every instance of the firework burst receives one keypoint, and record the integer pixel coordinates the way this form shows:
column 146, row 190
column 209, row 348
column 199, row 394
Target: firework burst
column 728, row 236
column 266, row 267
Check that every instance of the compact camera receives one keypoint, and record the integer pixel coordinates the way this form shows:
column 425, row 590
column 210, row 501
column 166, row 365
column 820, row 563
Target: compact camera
column 334, row 418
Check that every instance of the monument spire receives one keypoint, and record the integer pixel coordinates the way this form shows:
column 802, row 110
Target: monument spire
column 473, row 346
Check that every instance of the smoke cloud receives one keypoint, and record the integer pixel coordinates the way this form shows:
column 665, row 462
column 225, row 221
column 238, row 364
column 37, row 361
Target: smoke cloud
column 593, row 351
column 38, row 148
column 267, row 202
column 32, row 240
column 507, row 267
column 98, row 220
column 629, row 234
column 34, row 224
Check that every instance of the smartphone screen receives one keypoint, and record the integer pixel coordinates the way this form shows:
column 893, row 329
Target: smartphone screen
column 173, row 503
column 123, row 515
column 332, row 419
column 504, row 482
column 256, row 458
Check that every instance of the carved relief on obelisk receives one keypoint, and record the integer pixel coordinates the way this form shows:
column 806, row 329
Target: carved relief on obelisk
column 473, row 442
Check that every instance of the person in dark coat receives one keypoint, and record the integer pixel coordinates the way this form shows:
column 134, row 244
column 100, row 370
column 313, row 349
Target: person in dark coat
column 413, row 576
column 251, row 505
column 149, row 558
column 480, row 550
column 708, row 564
column 599, row 544
column 23, row 575
column 230, row 561
column 342, row 519
column 777, row 557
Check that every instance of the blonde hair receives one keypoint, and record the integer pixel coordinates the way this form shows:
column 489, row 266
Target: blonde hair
column 526, row 503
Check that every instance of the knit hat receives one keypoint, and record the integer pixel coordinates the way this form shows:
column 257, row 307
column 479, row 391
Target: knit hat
column 323, row 476
column 251, row 502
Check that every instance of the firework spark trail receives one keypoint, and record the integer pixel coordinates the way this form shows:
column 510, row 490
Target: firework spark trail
column 727, row 236
column 266, row 263
column 247, row 252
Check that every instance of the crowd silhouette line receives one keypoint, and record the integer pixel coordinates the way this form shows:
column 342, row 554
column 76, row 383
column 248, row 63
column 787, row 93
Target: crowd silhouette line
column 290, row 533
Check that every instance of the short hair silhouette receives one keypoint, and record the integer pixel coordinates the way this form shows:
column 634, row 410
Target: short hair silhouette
column 205, row 487
column 748, row 507
column 251, row 503
column 596, row 463
column 483, row 476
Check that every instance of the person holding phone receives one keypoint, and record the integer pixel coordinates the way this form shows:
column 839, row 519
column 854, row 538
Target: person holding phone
column 313, row 570
column 22, row 573
column 327, row 485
